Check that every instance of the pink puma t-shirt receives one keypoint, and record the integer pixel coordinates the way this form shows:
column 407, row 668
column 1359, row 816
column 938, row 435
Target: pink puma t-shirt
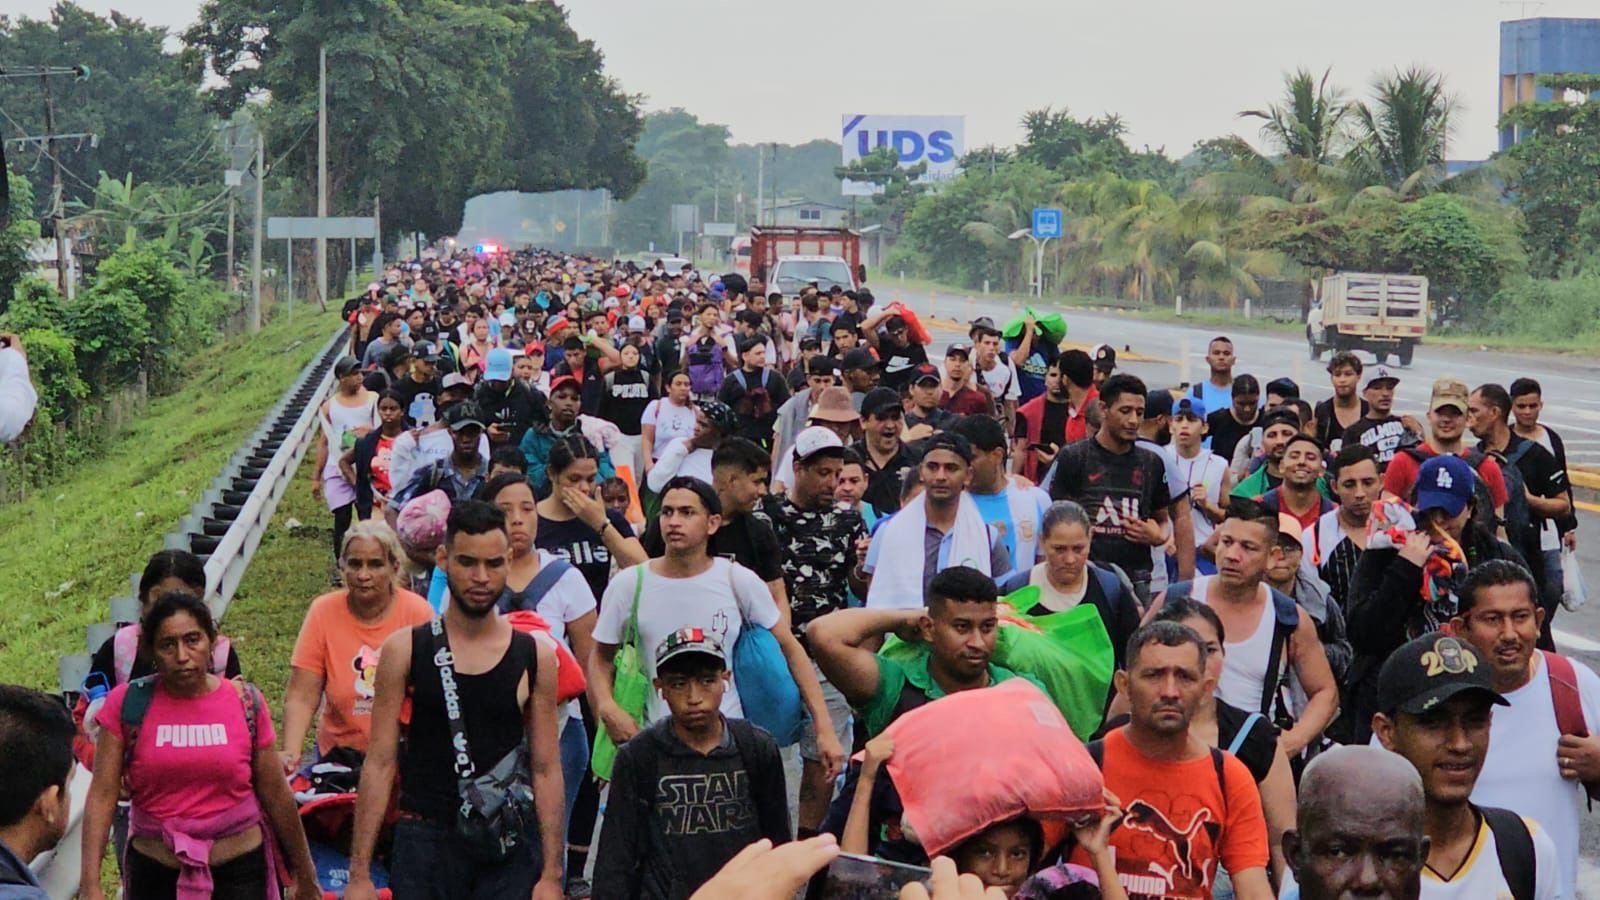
column 192, row 757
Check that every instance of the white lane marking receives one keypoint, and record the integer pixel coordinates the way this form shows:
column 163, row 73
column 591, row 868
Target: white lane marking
column 1572, row 642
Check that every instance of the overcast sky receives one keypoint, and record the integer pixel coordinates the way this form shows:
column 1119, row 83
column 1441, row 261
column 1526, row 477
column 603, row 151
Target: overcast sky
column 1176, row 70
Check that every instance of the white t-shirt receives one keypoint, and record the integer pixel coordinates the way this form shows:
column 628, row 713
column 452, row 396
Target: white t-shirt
column 1521, row 772
column 1001, row 380
column 720, row 600
column 1204, row 476
column 671, row 421
column 1053, row 599
column 1480, row 878
column 568, row 599
column 1177, row 486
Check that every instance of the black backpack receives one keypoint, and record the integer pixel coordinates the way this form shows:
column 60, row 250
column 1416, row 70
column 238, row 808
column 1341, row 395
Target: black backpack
column 1518, row 518
column 1513, row 846
column 757, row 401
column 1482, row 503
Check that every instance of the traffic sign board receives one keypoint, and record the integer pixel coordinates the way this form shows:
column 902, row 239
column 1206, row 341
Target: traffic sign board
column 1046, row 223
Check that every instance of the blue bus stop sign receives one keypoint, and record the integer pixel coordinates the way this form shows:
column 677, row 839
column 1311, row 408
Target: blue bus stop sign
column 1046, row 223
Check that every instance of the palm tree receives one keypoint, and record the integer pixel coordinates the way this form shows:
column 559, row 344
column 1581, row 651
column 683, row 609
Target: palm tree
column 1309, row 123
column 1401, row 137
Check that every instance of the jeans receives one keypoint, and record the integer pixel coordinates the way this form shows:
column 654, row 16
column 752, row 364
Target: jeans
column 574, row 764
column 430, row 863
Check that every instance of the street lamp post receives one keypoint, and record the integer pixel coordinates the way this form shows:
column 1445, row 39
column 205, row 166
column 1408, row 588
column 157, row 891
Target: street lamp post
column 1038, row 257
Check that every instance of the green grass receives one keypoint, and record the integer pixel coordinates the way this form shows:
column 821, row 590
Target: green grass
column 289, row 570
column 72, row 545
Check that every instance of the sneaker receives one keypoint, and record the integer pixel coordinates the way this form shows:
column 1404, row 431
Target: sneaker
column 579, row 889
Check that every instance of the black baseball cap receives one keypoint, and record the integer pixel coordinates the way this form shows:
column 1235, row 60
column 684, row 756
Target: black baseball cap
column 882, row 400
column 1105, row 357
column 690, row 642
column 1157, row 403
column 1430, row 670
column 346, row 365
column 1284, row 387
column 959, row 348
column 810, row 342
column 948, row 440
column 822, row 365
column 1280, row 415
column 859, row 358
column 925, row 372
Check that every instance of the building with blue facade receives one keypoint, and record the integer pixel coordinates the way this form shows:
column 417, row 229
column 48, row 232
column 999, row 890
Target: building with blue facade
column 1533, row 47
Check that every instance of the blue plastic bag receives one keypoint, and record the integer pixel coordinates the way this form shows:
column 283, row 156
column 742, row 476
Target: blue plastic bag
column 767, row 690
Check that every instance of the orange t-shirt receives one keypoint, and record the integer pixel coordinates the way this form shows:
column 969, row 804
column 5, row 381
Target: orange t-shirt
column 343, row 651
column 1178, row 824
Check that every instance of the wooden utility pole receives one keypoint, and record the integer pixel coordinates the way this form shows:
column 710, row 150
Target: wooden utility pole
column 55, row 185
column 260, row 223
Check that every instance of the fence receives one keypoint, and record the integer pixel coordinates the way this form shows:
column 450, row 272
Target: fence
column 1285, row 301
column 223, row 529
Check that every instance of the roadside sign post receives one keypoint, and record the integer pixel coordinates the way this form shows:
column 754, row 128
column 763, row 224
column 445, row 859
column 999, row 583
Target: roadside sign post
column 1046, row 226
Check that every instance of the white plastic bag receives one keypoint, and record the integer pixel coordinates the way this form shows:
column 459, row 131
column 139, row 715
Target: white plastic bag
column 1573, row 593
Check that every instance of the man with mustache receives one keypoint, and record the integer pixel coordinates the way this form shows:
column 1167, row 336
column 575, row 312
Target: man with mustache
column 1190, row 807
column 1536, row 764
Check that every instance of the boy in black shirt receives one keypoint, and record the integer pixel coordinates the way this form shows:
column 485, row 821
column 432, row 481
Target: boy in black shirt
column 1123, row 486
column 1226, row 426
column 691, row 791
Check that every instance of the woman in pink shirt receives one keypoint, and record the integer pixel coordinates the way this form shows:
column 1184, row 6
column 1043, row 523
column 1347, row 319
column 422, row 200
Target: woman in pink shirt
column 196, row 752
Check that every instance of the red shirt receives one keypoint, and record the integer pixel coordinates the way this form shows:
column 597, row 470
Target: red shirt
column 1401, row 475
column 968, row 401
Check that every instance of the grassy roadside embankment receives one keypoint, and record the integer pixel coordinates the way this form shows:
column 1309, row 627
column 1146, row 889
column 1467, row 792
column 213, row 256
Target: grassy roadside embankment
column 72, row 545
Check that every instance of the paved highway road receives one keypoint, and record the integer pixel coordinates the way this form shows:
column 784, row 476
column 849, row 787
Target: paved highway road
column 1572, row 407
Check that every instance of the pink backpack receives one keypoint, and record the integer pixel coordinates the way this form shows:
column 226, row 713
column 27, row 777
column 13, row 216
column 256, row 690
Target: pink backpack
column 125, row 649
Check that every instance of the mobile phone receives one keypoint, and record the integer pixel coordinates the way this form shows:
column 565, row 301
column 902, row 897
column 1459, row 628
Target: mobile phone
column 852, row 877
column 1044, row 448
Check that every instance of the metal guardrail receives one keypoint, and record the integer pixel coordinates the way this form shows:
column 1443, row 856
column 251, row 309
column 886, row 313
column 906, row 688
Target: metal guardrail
column 224, row 529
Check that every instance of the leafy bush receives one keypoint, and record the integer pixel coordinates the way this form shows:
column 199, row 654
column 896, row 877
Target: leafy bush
column 1546, row 310
column 54, row 367
column 37, row 305
column 112, row 333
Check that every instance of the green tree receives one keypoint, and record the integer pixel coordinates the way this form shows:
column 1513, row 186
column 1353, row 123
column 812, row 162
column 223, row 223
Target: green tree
column 1401, row 136
column 1308, row 123
column 898, row 186
column 1080, row 148
column 138, row 101
column 17, row 238
column 423, row 128
column 684, row 156
column 1554, row 178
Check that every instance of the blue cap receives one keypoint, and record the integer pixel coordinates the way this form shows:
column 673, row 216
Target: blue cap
column 1445, row 483
column 497, row 366
column 1191, row 406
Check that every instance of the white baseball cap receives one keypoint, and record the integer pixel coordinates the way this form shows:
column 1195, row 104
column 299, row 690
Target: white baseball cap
column 814, row 440
column 1377, row 374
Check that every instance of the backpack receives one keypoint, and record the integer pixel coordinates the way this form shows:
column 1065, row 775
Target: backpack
column 1518, row 517
column 125, row 649
column 757, row 402
column 1569, row 705
column 549, row 574
column 1513, row 849
column 1482, row 503
column 705, row 366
